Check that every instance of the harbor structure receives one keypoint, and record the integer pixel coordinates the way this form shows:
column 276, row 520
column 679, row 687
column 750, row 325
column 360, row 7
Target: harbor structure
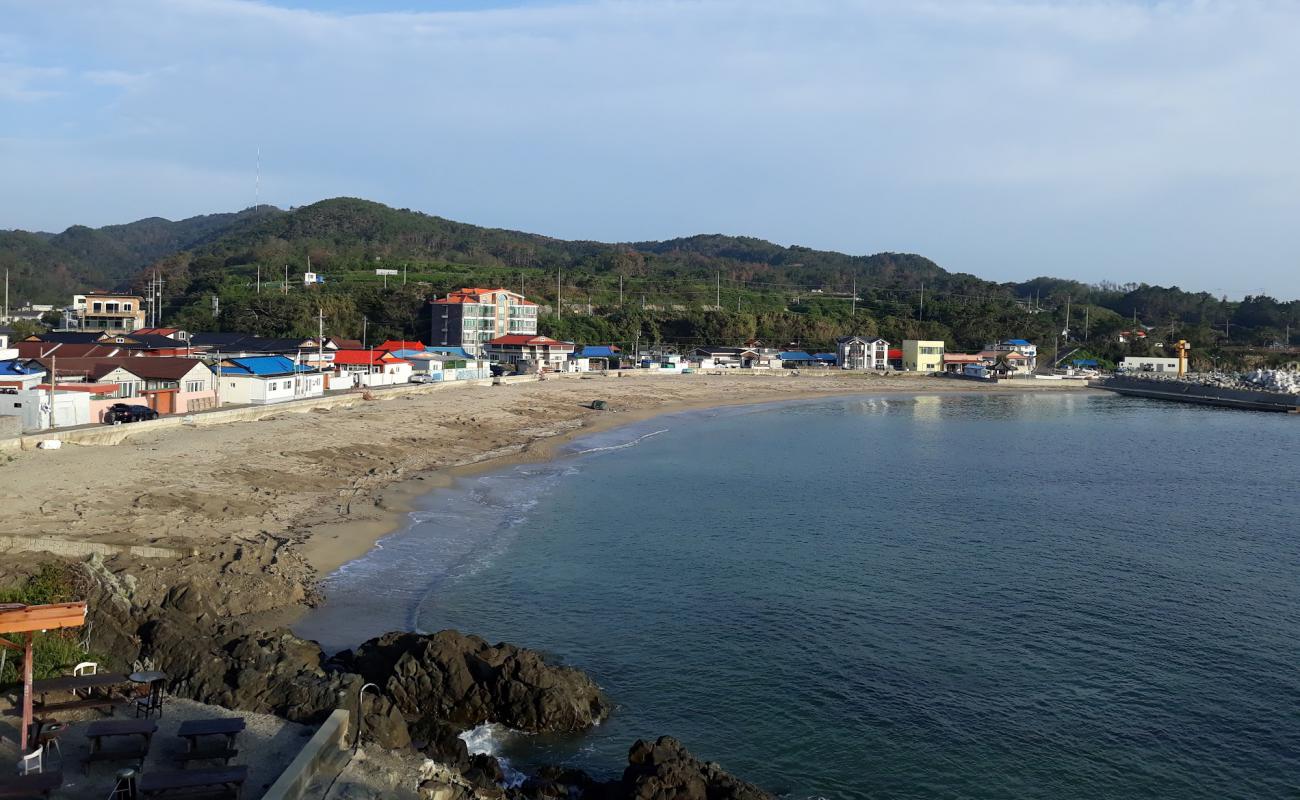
column 1149, row 364
column 471, row 317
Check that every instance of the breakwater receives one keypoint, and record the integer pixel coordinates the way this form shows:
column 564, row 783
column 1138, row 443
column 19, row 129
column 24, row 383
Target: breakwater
column 1201, row 394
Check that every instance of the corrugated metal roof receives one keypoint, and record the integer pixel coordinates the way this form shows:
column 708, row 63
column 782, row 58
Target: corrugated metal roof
column 795, row 355
column 261, row 366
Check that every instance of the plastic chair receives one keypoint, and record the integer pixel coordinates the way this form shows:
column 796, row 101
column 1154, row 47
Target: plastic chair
column 86, row 668
column 32, row 762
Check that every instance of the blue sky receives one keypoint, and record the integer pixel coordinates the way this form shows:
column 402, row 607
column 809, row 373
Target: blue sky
column 1100, row 140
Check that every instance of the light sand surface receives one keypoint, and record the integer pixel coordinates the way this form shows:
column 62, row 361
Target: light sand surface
column 299, row 494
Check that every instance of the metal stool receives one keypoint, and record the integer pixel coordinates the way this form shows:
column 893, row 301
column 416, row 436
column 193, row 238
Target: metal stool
column 47, row 736
column 125, row 787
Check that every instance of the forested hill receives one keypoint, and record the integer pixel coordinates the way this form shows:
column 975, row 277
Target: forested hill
column 708, row 288
column 48, row 267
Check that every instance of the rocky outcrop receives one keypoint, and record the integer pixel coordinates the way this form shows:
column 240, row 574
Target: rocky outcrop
column 666, row 770
column 466, row 681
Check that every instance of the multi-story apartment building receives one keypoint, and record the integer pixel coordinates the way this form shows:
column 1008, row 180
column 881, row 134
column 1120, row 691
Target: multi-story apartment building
column 469, row 318
column 111, row 313
column 921, row 355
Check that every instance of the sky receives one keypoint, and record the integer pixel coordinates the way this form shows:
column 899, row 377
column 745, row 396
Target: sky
column 1090, row 139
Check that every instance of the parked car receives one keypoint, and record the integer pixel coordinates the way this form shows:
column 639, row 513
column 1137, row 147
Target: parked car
column 126, row 412
column 421, row 377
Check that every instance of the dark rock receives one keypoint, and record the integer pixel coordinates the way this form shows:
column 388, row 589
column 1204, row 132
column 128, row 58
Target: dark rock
column 666, row 770
column 441, row 742
column 466, row 681
column 484, row 771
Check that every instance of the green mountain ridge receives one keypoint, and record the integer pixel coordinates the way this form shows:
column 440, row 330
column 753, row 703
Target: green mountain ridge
column 708, row 287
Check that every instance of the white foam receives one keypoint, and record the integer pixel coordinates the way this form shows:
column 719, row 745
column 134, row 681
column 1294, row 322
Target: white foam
column 487, row 740
column 622, row 446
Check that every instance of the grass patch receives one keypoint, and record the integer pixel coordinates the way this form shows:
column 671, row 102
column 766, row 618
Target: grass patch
column 56, row 652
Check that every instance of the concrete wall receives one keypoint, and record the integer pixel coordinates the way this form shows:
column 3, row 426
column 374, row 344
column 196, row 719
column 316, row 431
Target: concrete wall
column 66, row 547
column 323, row 757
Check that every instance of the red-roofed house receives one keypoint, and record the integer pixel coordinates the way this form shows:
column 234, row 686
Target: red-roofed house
column 529, row 349
column 469, row 318
column 371, row 367
column 397, row 344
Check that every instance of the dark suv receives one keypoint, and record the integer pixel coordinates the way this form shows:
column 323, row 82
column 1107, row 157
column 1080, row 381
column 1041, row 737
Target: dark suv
column 124, row 412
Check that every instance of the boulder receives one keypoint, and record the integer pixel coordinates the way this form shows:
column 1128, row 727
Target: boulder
column 666, row 770
column 466, row 681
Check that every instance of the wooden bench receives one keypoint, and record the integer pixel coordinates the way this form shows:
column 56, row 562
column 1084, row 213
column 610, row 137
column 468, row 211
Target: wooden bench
column 191, row 730
column 225, row 782
column 30, row 787
column 97, row 732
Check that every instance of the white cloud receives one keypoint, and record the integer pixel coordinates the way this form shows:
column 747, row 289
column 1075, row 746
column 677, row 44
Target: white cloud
column 1004, row 138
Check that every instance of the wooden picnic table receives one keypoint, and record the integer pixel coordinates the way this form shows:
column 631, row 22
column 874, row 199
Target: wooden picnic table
column 24, row 787
column 70, row 683
column 191, row 730
column 161, row 784
column 97, row 732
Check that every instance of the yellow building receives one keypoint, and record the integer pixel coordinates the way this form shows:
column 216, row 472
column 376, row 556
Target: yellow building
column 920, row 355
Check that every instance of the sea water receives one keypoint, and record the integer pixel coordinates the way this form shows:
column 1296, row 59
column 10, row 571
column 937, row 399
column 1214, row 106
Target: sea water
column 964, row 596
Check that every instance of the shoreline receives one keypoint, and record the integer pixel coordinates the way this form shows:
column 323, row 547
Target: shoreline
column 350, row 542
column 266, row 509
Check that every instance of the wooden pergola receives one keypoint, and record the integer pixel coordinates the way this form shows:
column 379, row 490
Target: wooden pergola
column 26, row 621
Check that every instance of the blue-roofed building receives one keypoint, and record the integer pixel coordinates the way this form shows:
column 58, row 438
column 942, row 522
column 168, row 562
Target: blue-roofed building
column 792, row 359
column 598, row 356
column 448, row 350
column 829, row 359
column 17, row 373
column 260, row 380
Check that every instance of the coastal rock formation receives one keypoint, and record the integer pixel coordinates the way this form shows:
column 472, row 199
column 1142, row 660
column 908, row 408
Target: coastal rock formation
column 466, row 681
column 666, row 770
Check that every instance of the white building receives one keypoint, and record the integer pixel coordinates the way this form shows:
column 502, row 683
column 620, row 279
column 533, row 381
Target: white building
column 261, row 380
column 1149, row 364
column 1021, row 346
column 34, row 407
column 858, row 352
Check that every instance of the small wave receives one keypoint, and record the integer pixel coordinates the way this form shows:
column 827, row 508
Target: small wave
column 487, row 740
column 622, row 446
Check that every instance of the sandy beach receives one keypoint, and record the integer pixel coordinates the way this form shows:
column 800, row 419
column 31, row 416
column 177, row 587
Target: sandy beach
column 272, row 505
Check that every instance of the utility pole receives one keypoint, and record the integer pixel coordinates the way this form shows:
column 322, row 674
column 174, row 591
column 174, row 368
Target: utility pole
column 7, row 293
column 921, row 312
column 557, row 292
column 365, row 323
column 403, row 274
column 1067, row 317
column 285, row 286
column 259, row 278
column 855, row 295
column 54, row 378
column 620, row 292
column 717, row 302
column 158, row 317
column 1086, row 313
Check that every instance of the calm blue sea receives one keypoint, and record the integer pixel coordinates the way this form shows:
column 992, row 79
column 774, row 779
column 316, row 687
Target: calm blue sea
column 1048, row 596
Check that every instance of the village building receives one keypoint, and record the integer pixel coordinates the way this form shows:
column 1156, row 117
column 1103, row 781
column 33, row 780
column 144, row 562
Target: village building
column 727, row 357
column 794, row 359
column 1148, row 364
column 167, row 385
column 470, row 318
column 921, row 355
column 526, row 350
column 261, row 380
column 956, row 362
column 1022, row 346
column 371, row 368
column 105, row 311
column 859, row 352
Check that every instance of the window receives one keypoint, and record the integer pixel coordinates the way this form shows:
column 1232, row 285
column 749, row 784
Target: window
column 126, row 306
column 98, row 306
